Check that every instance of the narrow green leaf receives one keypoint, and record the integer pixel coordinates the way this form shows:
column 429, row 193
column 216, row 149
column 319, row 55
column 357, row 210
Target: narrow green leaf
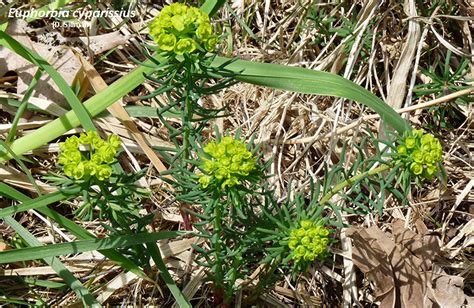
column 42, row 283
column 94, row 106
column 212, row 6
column 33, row 57
column 181, row 300
column 118, row 241
column 19, row 161
column 36, row 203
column 78, row 231
column 302, row 80
column 23, row 106
column 55, row 263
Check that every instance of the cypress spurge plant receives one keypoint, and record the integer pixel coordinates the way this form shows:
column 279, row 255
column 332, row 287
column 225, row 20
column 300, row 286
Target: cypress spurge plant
column 229, row 190
column 88, row 161
column 184, row 37
column 221, row 183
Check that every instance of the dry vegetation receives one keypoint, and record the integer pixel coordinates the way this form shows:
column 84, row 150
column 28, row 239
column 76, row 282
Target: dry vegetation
column 407, row 53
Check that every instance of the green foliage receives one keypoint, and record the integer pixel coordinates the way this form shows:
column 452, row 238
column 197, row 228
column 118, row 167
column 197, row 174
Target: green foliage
column 182, row 29
column 229, row 162
column 445, row 80
column 222, row 184
column 327, row 23
column 421, row 153
column 95, row 162
column 320, row 18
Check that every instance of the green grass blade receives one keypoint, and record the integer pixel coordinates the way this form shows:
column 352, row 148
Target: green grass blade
column 117, row 241
column 23, row 106
column 20, row 163
column 55, row 263
column 302, row 80
column 16, row 301
column 94, row 105
column 16, row 103
column 42, row 283
column 33, row 57
column 78, row 231
column 212, row 6
column 181, row 300
column 36, row 203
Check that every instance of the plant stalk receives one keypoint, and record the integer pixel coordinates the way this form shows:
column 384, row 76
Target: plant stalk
column 219, row 283
column 353, row 180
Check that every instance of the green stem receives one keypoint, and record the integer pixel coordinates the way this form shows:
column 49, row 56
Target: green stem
column 353, row 180
column 23, row 105
column 218, row 247
column 187, row 115
column 188, row 108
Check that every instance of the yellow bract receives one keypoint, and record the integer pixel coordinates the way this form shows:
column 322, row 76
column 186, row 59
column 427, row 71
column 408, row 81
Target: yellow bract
column 92, row 162
column 309, row 241
column 421, row 153
column 230, row 162
column 183, row 29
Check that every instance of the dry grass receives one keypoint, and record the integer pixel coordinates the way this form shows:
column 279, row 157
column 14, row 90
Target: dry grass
column 377, row 46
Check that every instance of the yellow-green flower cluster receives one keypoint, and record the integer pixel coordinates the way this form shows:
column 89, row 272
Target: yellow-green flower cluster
column 93, row 162
column 182, row 29
column 231, row 161
column 309, row 241
column 421, row 153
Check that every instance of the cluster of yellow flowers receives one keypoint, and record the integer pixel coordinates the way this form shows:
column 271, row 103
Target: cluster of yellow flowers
column 421, row 152
column 182, row 29
column 309, row 241
column 231, row 161
column 93, row 162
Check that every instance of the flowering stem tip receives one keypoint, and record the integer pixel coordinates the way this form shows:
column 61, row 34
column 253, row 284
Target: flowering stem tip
column 95, row 159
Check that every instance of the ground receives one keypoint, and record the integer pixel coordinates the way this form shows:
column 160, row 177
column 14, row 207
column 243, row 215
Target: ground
column 416, row 56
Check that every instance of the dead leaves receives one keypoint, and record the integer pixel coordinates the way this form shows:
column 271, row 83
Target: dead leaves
column 62, row 59
column 400, row 265
column 55, row 48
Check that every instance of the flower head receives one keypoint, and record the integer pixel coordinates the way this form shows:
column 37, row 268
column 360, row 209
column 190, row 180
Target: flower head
column 421, row 153
column 183, row 29
column 93, row 162
column 309, row 241
column 230, row 162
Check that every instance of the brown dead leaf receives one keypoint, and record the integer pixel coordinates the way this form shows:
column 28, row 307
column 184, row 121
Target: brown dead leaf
column 401, row 267
column 61, row 59
column 448, row 291
column 398, row 264
column 3, row 246
column 372, row 260
column 425, row 247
